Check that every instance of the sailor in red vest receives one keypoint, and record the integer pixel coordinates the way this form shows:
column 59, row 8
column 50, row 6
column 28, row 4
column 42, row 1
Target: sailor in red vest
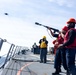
column 55, row 46
column 59, row 53
column 70, row 45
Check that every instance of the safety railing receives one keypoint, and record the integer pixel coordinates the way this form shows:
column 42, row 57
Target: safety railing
column 13, row 50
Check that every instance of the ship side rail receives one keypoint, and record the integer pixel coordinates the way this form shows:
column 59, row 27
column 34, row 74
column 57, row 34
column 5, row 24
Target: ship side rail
column 13, row 50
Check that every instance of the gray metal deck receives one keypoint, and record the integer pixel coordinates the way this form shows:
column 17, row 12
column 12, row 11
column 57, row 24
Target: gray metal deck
column 28, row 64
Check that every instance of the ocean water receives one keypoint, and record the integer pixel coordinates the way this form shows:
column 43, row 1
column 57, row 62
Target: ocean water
column 2, row 60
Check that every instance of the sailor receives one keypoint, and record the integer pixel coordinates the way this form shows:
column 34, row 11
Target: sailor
column 70, row 45
column 34, row 48
column 59, row 53
column 43, row 49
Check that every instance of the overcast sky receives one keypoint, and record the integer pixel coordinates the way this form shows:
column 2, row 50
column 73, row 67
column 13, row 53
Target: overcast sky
column 19, row 27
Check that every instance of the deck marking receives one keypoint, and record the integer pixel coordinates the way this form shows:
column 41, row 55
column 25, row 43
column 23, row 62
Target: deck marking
column 18, row 73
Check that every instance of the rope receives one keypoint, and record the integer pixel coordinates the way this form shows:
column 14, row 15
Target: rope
column 50, row 34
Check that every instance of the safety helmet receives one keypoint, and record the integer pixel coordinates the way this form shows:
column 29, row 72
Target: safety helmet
column 65, row 28
column 71, row 20
column 44, row 37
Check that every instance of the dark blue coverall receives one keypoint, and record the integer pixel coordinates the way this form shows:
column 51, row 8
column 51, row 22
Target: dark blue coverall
column 59, row 58
column 70, row 52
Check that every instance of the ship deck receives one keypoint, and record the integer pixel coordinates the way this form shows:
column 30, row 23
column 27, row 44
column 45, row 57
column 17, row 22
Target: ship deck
column 28, row 64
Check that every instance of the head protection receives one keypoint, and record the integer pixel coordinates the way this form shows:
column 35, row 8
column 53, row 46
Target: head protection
column 65, row 28
column 71, row 20
column 44, row 37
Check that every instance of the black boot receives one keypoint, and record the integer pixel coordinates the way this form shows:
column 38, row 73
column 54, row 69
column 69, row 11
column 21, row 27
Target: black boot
column 41, row 61
column 56, row 72
column 67, row 73
column 59, row 70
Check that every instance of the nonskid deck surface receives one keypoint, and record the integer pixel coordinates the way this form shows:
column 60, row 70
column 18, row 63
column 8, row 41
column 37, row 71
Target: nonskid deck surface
column 28, row 64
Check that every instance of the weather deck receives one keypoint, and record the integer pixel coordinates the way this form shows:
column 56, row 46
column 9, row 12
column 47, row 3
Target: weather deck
column 28, row 64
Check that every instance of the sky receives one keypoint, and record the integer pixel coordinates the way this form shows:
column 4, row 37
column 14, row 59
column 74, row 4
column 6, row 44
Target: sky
column 19, row 27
